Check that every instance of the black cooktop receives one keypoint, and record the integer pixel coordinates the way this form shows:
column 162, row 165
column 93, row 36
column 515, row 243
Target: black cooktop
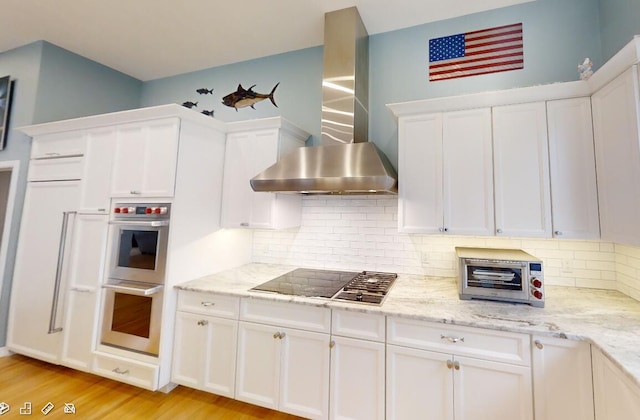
column 308, row 282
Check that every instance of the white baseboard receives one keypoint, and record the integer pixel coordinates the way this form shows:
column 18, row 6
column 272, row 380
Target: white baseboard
column 4, row 352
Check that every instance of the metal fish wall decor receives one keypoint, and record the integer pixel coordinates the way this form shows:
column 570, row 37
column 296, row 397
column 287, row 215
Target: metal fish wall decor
column 248, row 97
column 191, row 104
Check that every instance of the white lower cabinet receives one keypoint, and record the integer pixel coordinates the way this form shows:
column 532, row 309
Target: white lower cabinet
column 427, row 384
column 616, row 396
column 357, row 366
column 562, row 384
column 281, row 367
column 204, row 354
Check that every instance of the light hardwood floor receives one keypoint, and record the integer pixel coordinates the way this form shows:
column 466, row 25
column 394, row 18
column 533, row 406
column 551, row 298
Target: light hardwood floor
column 23, row 379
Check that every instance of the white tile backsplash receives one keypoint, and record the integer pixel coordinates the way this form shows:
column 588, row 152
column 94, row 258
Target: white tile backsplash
column 360, row 233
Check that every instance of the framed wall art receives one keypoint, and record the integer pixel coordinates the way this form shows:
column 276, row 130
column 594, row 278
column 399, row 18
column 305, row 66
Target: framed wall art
column 5, row 105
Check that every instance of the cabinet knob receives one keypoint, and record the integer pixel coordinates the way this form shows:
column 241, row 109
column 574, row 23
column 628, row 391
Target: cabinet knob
column 332, row 344
column 498, row 230
column 449, row 364
column 456, row 365
column 203, row 322
column 538, row 344
column 282, row 335
column 557, row 233
column 244, row 224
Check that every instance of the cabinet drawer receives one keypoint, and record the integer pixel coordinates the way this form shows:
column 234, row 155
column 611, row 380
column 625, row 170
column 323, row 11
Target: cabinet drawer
column 58, row 145
column 484, row 344
column 135, row 373
column 209, row 304
column 358, row 325
column 285, row 314
column 56, row 169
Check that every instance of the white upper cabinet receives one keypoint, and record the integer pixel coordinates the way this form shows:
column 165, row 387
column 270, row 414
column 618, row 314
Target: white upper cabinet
column 252, row 147
column 521, row 170
column 98, row 163
column 447, row 181
column 420, row 180
column 468, row 172
column 616, row 113
column 574, row 195
column 145, row 159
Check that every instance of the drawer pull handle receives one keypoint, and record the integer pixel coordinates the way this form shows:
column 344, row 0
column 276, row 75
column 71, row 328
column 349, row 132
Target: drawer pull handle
column 538, row 344
column 449, row 364
column 456, row 365
column 451, row 339
column 203, row 322
column 120, row 372
column 207, row 304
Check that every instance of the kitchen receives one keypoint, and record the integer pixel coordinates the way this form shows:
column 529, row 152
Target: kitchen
column 370, row 221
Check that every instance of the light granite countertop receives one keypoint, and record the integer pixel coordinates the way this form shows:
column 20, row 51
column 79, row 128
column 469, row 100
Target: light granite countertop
column 607, row 319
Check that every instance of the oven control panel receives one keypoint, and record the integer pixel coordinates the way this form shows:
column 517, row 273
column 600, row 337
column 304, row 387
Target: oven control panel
column 536, row 282
column 141, row 211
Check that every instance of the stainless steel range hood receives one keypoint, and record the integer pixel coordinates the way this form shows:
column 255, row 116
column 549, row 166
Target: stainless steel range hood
column 346, row 163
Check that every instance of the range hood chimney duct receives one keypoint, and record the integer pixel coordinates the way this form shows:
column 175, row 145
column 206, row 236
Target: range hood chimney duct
column 345, row 163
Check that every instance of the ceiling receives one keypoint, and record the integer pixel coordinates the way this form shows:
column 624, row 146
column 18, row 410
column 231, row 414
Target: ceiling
column 150, row 39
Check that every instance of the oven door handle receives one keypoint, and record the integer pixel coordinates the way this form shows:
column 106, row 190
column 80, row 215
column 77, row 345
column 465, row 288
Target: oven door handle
column 143, row 223
column 139, row 291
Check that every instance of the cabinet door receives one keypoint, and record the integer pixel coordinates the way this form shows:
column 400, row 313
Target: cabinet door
column 304, row 375
column 96, row 178
column 205, row 353
column 616, row 397
column 562, row 385
column 484, row 390
column 357, row 379
column 521, row 170
column 468, row 172
column 145, row 159
column 573, row 169
column 258, row 374
column 236, row 190
column 615, row 122
column 40, row 248
column 420, row 186
column 264, row 147
column 189, row 351
column 86, row 259
column 419, row 385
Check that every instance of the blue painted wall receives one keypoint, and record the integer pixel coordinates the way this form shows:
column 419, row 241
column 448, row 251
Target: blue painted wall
column 299, row 95
column 557, row 37
column 52, row 84
column 619, row 22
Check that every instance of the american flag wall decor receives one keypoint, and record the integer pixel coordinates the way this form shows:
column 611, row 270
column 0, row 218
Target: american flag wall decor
column 479, row 52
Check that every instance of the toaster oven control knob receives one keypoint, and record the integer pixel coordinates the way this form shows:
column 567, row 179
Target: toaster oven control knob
column 536, row 282
column 537, row 294
column 124, row 210
column 116, row 210
column 148, row 210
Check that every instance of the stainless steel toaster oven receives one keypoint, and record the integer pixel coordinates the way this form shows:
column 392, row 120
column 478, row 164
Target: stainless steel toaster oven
column 508, row 275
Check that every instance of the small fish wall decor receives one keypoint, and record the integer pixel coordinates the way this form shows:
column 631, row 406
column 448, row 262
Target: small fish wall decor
column 248, row 97
column 191, row 104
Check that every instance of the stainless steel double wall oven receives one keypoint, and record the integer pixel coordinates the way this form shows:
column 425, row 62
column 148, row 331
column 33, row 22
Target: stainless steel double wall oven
column 134, row 289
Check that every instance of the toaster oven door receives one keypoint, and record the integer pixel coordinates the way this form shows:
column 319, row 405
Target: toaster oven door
column 506, row 279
